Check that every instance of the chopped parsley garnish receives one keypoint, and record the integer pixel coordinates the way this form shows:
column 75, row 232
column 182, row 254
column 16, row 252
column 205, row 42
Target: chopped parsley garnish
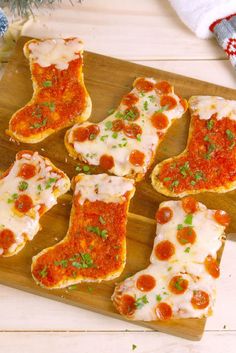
column 84, row 168
column 37, row 112
column 101, row 232
column 138, row 137
column 12, row 198
column 192, row 182
column 130, row 115
column 23, row 185
column 44, row 272
column 187, row 250
column 152, row 98
column 158, row 297
column 229, row 134
column 162, row 109
column 174, row 184
column 108, row 125
column 178, row 284
column 111, row 111
column 86, row 261
column 92, row 136
column 134, row 347
column 47, row 83
column 38, row 125
column 49, row 182
column 183, row 169
column 145, row 105
column 198, row 175
column 167, row 179
column 62, row 263
column 119, row 115
column 180, row 226
column 39, row 187
column 115, row 135
column 102, row 138
column 102, row 220
column 188, row 219
column 210, row 124
column 50, row 105
column 206, row 138
column 140, row 302
column 169, row 268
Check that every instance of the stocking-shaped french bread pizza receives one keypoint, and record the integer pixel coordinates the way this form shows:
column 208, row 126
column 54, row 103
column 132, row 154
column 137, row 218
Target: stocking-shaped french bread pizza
column 126, row 141
column 94, row 248
column 60, row 98
column 180, row 281
column 208, row 162
column 28, row 189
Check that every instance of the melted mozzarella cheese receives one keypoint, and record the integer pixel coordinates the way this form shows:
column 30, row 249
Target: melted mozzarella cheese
column 43, row 188
column 102, row 187
column 206, row 106
column 119, row 145
column 58, row 52
column 188, row 265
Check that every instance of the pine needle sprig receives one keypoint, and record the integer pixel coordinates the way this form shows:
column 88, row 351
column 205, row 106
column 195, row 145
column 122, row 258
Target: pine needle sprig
column 25, row 7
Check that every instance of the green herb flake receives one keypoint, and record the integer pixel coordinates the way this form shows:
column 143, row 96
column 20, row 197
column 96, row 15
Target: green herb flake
column 174, row 184
column 158, row 297
column 152, row 98
column 23, row 185
column 86, row 261
column 167, row 179
column 134, row 347
column 92, row 137
column 47, row 83
column 169, row 268
column 187, row 250
column 192, row 182
column 178, row 284
column 111, row 111
column 138, row 137
column 38, row 125
column 39, row 187
column 210, row 124
column 198, row 175
column 115, row 135
column 140, row 302
column 44, row 272
column 86, row 168
column 206, row 138
column 229, row 134
column 62, row 263
column 183, row 169
column 108, row 125
column 145, row 105
column 73, row 287
column 188, row 219
column 103, row 234
column 162, row 109
column 102, row 220
column 49, row 182
column 180, row 226
column 50, row 105
column 12, row 198
column 102, row 138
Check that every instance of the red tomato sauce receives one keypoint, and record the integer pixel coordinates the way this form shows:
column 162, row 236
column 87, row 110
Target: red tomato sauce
column 7, row 238
column 106, row 253
column 60, row 99
column 209, row 161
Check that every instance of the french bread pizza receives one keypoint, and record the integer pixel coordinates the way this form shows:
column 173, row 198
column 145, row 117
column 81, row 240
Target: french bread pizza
column 28, row 189
column 180, row 282
column 60, row 98
column 125, row 142
column 208, row 163
column 94, row 248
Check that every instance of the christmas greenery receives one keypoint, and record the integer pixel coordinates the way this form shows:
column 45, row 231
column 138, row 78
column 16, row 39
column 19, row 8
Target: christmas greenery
column 25, row 7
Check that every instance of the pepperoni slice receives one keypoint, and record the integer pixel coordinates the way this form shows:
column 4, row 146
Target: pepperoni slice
column 163, row 311
column 24, row 203
column 130, row 99
column 117, row 125
column 106, row 162
column 145, row 283
column 131, row 114
column 222, row 217
column 163, row 87
column 6, row 239
column 164, row 215
column 137, row 158
column 211, row 266
column 27, row 171
column 168, row 101
column 159, row 121
column 132, row 130
column 127, row 305
column 144, row 85
column 178, row 285
column 189, row 204
column 164, row 250
column 200, row 299
column 93, row 131
column 186, row 235
column 81, row 134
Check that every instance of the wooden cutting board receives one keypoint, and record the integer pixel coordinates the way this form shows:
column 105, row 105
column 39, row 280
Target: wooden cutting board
column 107, row 80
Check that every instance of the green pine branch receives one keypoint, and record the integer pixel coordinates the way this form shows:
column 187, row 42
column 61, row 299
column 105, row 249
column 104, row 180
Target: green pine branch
column 26, row 7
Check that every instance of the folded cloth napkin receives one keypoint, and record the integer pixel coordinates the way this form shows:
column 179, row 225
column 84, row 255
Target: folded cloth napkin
column 208, row 17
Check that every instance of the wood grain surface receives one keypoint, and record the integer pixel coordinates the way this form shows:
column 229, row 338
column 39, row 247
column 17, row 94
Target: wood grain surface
column 107, row 79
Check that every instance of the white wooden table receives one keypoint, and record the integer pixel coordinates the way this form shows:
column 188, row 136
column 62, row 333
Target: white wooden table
column 147, row 32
